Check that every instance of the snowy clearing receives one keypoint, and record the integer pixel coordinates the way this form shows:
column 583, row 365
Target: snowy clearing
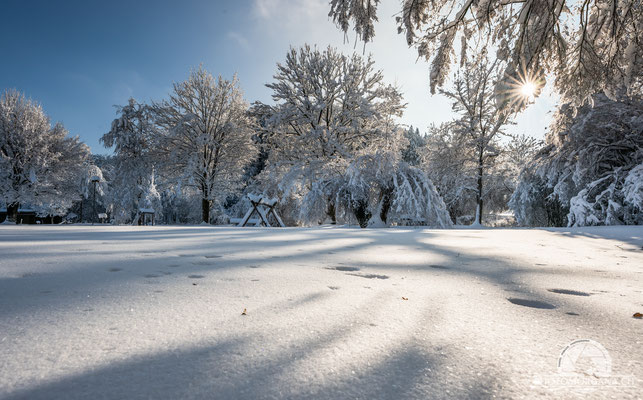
column 156, row 312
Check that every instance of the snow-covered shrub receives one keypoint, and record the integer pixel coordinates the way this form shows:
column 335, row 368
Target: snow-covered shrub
column 633, row 196
column 534, row 204
column 610, row 200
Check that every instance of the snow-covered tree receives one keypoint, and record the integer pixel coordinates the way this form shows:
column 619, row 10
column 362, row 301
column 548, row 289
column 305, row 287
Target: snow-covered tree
column 503, row 175
column 40, row 165
column 180, row 204
column 450, row 165
column 328, row 106
column 334, row 148
column 133, row 137
column 107, row 166
column 481, row 121
column 381, row 188
column 589, row 46
column 590, row 169
column 412, row 153
column 90, row 172
column 151, row 198
column 207, row 136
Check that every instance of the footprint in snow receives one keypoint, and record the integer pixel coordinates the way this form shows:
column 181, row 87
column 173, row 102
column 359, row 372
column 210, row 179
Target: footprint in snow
column 438, row 266
column 370, row 276
column 344, row 269
column 152, row 276
column 572, row 313
column 196, row 276
column 333, row 287
column 203, row 263
column 212, row 256
column 570, row 292
column 531, row 303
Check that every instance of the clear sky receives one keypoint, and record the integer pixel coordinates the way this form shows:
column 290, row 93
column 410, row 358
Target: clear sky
column 80, row 58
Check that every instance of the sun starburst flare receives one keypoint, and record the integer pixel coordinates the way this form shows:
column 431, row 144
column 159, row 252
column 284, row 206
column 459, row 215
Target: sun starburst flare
column 522, row 89
column 528, row 89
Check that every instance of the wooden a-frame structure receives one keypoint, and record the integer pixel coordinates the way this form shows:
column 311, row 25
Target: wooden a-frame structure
column 264, row 207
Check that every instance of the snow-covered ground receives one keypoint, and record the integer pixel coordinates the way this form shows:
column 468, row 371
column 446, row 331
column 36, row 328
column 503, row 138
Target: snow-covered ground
column 156, row 312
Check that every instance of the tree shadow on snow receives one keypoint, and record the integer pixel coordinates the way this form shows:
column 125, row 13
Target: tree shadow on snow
column 224, row 371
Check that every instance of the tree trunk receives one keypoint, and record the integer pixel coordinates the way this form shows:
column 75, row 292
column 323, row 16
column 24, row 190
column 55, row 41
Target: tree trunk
column 385, row 201
column 478, row 219
column 12, row 212
column 360, row 209
column 332, row 212
column 205, row 210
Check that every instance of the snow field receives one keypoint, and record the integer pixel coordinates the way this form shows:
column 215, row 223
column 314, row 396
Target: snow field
column 155, row 312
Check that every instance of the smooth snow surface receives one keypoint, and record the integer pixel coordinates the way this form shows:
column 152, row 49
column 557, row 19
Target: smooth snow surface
column 155, row 312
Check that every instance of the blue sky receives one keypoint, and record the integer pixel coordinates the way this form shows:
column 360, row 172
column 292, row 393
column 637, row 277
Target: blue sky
column 79, row 58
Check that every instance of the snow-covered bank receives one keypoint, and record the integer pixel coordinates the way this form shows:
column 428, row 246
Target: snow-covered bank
column 155, row 312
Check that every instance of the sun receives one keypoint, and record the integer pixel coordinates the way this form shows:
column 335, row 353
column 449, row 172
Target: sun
column 520, row 89
column 528, row 89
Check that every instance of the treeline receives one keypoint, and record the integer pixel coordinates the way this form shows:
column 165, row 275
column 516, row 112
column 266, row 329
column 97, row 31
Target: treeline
column 331, row 149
